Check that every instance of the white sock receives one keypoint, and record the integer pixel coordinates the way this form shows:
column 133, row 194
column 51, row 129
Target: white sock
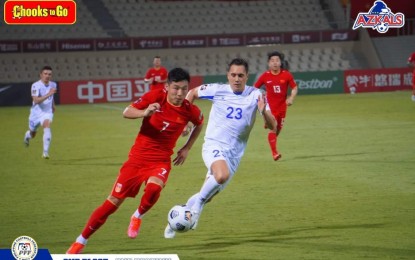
column 137, row 214
column 81, row 240
column 47, row 137
column 192, row 200
column 27, row 135
column 209, row 188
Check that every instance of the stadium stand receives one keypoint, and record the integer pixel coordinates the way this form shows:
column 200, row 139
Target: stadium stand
column 139, row 18
column 394, row 51
column 147, row 18
column 199, row 61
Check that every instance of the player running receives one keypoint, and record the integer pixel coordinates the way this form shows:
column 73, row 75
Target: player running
column 43, row 107
column 231, row 119
column 276, row 81
column 165, row 113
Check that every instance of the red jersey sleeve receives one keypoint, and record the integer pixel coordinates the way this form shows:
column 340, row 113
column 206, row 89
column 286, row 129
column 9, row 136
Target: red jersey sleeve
column 411, row 58
column 291, row 81
column 163, row 74
column 148, row 74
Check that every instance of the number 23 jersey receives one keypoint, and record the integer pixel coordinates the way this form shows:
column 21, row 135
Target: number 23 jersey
column 232, row 116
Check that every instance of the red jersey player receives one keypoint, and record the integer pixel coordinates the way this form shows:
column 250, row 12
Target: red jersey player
column 156, row 75
column 165, row 113
column 277, row 80
column 411, row 64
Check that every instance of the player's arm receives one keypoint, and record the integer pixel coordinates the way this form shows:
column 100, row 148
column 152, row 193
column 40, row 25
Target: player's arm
column 38, row 100
column 193, row 94
column 269, row 119
column 259, row 83
column 148, row 78
column 131, row 112
column 290, row 99
column 411, row 63
column 184, row 151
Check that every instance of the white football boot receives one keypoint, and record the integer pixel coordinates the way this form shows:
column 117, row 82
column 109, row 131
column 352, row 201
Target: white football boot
column 169, row 232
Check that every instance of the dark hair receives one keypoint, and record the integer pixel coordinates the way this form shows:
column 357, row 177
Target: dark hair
column 46, row 68
column 157, row 57
column 239, row 62
column 177, row 75
column 276, row 53
column 284, row 63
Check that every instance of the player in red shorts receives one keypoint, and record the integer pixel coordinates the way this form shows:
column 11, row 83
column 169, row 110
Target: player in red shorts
column 276, row 81
column 411, row 64
column 165, row 113
column 156, row 76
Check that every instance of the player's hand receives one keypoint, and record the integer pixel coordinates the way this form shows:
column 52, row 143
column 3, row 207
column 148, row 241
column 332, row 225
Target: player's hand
column 187, row 130
column 52, row 91
column 289, row 101
column 181, row 156
column 262, row 103
column 151, row 109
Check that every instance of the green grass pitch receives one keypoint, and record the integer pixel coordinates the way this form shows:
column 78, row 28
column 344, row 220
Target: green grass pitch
column 344, row 189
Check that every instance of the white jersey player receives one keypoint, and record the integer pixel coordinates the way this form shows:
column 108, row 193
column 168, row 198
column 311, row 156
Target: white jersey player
column 231, row 119
column 43, row 107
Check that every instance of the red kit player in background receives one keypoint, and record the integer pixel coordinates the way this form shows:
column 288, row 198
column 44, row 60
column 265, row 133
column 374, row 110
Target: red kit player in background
column 276, row 81
column 411, row 64
column 165, row 113
column 156, row 76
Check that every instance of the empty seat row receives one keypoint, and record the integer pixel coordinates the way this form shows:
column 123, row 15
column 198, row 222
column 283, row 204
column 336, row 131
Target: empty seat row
column 211, row 61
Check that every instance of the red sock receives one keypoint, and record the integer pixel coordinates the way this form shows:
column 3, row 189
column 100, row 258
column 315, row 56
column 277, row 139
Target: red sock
column 272, row 140
column 98, row 218
column 150, row 197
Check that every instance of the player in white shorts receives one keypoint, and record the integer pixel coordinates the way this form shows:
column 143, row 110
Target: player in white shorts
column 43, row 107
column 231, row 119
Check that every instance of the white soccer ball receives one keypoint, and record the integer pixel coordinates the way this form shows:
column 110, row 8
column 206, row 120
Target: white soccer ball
column 382, row 27
column 180, row 218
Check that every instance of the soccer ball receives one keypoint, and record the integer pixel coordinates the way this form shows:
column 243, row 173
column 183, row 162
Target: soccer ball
column 382, row 27
column 180, row 218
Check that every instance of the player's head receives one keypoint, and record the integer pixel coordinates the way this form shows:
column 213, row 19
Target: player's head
column 46, row 74
column 157, row 61
column 177, row 87
column 275, row 60
column 238, row 74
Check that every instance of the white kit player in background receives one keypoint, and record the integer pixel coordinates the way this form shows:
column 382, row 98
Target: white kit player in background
column 43, row 107
column 231, row 119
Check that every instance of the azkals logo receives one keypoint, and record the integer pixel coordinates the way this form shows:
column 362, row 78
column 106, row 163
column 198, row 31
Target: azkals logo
column 40, row 12
column 379, row 18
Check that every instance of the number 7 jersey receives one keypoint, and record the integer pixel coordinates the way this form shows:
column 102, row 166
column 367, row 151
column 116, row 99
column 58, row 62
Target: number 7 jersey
column 159, row 132
column 232, row 116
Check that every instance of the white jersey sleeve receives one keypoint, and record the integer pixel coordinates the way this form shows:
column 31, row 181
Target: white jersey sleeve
column 232, row 116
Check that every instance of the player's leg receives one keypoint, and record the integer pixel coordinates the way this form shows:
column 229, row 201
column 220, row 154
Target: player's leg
column 126, row 185
column 413, row 87
column 31, row 133
column 272, row 141
column 47, row 137
column 273, row 137
column 98, row 217
column 157, row 177
column 195, row 198
column 212, row 185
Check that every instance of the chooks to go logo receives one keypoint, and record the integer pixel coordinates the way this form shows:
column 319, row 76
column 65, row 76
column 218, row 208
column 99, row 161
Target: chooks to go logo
column 379, row 18
column 40, row 12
